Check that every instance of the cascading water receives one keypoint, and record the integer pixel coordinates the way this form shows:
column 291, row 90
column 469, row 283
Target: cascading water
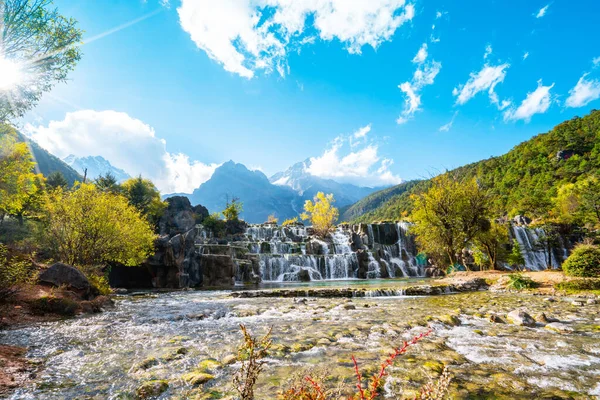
column 291, row 253
column 538, row 255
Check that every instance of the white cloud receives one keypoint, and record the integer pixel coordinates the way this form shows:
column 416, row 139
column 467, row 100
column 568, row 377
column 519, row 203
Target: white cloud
column 363, row 167
column 250, row 35
column 127, row 143
column 525, row 55
column 536, row 102
column 542, row 11
column 596, row 61
column 362, row 132
column 448, row 126
column 488, row 51
column 484, row 80
column 424, row 75
column 421, row 54
column 584, row 92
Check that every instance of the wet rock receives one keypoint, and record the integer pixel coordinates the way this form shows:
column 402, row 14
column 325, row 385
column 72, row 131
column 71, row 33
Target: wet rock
column 229, row 359
column 448, row 319
column 209, row 365
column 592, row 301
column 151, row 389
column 496, row 319
column 550, row 299
column 559, row 327
column 146, row 364
column 578, row 303
column 349, row 307
column 120, row 291
column 541, row 318
column 521, row 318
column 197, row 378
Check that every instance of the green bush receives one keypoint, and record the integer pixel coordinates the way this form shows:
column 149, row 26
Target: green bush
column 584, row 262
column 13, row 273
column 578, row 285
column 99, row 283
column 54, row 305
column 520, row 282
column 215, row 224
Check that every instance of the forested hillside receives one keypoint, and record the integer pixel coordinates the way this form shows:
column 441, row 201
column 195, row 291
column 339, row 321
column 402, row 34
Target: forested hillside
column 46, row 163
column 523, row 181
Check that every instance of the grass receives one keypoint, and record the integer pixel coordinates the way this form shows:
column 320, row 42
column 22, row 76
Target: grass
column 520, row 282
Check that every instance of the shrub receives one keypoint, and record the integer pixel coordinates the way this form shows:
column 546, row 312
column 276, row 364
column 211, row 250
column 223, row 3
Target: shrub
column 291, row 221
column 13, row 273
column 99, row 283
column 54, row 305
column 579, row 285
column 520, row 282
column 583, row 262
column 215, row 224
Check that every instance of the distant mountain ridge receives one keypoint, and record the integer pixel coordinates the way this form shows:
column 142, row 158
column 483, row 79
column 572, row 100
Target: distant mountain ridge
column 260, row 198
column 282, row 195
column 96, row 166
column 307, row 186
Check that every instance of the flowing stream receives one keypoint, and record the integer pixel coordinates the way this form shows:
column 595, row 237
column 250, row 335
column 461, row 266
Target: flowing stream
column 105, row 356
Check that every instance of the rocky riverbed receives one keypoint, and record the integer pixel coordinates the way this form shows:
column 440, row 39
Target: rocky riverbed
column 182, row 345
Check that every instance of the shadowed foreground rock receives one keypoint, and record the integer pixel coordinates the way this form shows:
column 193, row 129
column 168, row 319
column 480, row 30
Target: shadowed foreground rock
column 61, row 274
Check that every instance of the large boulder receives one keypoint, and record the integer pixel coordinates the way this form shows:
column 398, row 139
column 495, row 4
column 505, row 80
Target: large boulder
column 179, row 216
column 217, row 270
column 60, row 274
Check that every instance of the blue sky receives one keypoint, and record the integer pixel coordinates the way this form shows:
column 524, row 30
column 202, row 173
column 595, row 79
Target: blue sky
column 161, row 90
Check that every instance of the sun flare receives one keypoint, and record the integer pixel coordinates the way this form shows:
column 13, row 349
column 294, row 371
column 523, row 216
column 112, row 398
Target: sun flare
column 10, row 74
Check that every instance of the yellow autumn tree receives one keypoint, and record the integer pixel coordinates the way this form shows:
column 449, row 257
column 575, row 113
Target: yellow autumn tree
column 321, row 213
column 17, row 179
column 86, row 227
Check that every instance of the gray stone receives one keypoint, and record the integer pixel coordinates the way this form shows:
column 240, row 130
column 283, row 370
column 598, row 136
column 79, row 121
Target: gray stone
column 521, row 318
column 63, row 274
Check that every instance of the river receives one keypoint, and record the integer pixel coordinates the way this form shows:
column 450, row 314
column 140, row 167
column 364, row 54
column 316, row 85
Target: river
column 100, row 356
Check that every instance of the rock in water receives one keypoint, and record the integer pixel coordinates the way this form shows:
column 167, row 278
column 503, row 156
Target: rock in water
column 520, row 317
column 63, row 274
column 559, row 327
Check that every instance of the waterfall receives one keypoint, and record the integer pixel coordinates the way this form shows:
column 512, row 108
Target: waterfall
column 538, row 255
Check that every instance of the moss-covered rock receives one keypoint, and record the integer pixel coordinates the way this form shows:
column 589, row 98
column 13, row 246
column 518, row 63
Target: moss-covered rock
column 197, row 377
column 209, row 365
column 151, row 389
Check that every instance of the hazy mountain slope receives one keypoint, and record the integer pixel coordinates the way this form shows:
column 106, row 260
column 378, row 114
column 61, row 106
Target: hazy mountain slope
column 374, row 200
column 48, row 163
column 524, row 180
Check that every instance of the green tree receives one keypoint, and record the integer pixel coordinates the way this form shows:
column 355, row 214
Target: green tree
column 56, row 180
column 233, row 210
column 143, row 195
column 86, row 228
column 39, row 48
column 107, row 183
column 515, row 258
column 17, row 179
column 321, row 213
column 449, row 215
column 491, row 243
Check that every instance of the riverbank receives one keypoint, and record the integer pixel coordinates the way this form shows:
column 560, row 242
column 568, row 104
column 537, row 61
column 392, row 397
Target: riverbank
column 34, row 304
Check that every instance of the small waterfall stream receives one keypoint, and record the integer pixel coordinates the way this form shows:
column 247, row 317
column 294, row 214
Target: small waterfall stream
column 537, row 249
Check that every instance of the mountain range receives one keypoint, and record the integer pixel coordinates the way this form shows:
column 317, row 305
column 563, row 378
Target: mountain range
column 95, row 166
column 283, row 195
